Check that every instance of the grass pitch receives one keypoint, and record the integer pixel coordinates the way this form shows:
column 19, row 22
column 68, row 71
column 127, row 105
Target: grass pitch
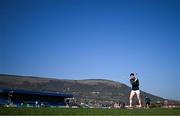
column 80, row 111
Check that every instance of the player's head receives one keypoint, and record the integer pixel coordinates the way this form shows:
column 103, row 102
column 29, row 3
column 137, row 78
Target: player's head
column 132, row 75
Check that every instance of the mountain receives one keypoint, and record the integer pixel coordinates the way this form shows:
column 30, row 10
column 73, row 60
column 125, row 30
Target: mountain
column 86, row 91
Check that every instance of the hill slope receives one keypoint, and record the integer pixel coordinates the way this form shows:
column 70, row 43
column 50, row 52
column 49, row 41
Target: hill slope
column 90, row 90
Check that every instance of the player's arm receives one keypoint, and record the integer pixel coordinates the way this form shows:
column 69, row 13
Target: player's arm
column 137, row 82
column 132, row 81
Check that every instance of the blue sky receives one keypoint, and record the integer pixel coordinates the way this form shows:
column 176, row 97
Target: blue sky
column 83, row 39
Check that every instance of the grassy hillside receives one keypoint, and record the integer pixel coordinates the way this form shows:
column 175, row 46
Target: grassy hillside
column 91, row 90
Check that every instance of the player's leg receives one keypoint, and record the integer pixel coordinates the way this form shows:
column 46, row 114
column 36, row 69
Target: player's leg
column 138, row 96
column 130, row 98
column 148, row 104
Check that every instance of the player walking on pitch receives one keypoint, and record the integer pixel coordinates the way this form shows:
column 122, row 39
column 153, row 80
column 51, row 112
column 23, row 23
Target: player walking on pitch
column 135, row 89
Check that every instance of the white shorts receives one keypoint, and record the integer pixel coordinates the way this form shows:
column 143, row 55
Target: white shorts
column 137, row 92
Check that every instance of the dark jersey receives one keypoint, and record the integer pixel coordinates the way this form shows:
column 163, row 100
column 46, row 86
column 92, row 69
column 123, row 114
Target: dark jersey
column 135, row 84
column 147, row 100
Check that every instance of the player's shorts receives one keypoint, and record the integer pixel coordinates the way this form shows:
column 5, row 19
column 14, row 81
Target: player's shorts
column 137, row 92
column 147, row 103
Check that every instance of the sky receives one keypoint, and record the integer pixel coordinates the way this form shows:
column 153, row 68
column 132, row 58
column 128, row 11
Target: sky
column 94, row 39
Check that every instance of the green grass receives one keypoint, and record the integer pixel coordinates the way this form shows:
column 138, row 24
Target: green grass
column 79, row 111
